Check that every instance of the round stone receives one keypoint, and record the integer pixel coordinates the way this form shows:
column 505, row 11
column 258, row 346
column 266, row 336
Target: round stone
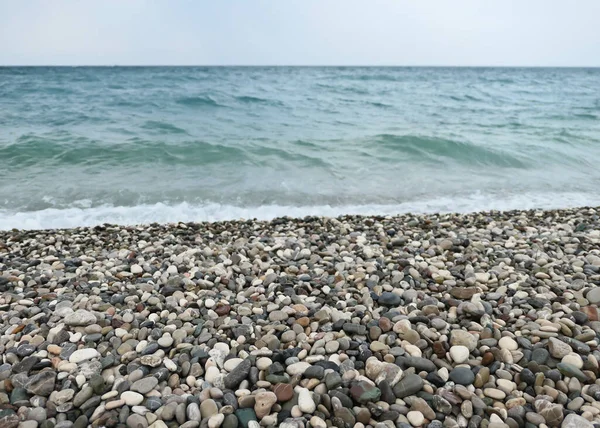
column 232, row 363
column 263, row 363
column 459, row 354
column 508, row 343
column 82, row 355
column 145, row 385
column 415, row 418
column 306, row 403
column 132, row 398
column 573, row 359
column 462, row 376
column 463, row 338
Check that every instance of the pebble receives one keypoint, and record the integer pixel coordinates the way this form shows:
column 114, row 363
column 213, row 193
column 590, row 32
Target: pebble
column 305, row 402
column 132, row 398
column 415, row 418
column 508, row 343
column 82, row 355
column 485, row 319
column 459, row 354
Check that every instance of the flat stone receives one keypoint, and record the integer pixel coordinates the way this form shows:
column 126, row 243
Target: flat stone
column 572, row 371
column 540, row 356
column 132, row 398
column 575, row 421
column 42, row 383
column 145, row 385
column 363, row 392
column 558, row 349
column 459, row 354
column 297, row 368
column 463, row 338
column 82, row 355
column 593, row 296
column 494, row 393
column 409, row 385
column 80, row 317
column 508, row 343
column 263, row 403
column 136, row 421
column 82, row 396
column 389, row 299
column 283, row 391
column 462, row 376
column 237, row 375
column 415, row 418
column 208, row 408
column 245, row 416
column 306, row 402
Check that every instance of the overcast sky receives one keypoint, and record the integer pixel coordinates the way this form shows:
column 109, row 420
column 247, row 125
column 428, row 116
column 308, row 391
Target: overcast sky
column 300, row 32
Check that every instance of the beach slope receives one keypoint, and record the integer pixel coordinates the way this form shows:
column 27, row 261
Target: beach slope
column 444, row 320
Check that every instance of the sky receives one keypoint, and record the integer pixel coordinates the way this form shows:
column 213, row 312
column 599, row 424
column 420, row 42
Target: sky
column 300, row 32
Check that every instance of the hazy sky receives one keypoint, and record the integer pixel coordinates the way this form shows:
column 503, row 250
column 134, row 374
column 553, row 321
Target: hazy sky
column 301, row 32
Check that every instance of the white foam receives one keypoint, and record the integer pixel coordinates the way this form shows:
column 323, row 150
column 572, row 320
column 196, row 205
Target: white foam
column 163, row 213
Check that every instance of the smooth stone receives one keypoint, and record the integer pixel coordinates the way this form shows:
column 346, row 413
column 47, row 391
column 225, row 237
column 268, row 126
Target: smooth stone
column 145, row 385
column 363, row 392
column 463, row 338
column 572, row 371
column 80, row 317
column 409, row 385
column 575, row 421
column 459, row 354
column 508, row 343
column 462, row 376
column 216, row 421
column 389, row 299
column 558, row 349
column 245, row 416
column 306, row 402
column 132, row 398
column 208, row 408
column 415, row 418
column 136, row 421
column 284, row 391
column 263, row 403
column 42, row 383
column 237, row 375
column 82, row 355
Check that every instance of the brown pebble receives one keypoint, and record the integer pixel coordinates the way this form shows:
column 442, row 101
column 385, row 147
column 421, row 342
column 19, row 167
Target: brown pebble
column 363, row 416
column 591, row 312
column 283, row 391
column 222, row 310
column 488, row 358
column 304, row 321
column 439, row 349
column 385, row 324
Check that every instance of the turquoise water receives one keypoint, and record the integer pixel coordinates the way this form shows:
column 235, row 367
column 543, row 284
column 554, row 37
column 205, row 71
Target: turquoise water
column 82, row 146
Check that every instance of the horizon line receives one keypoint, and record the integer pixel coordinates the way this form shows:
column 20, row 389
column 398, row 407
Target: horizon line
column 296, row 65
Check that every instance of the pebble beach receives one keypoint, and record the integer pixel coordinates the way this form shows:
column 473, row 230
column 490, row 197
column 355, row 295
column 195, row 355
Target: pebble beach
column 447, row 320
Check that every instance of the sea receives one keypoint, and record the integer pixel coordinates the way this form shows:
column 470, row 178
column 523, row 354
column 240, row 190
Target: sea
column 81, row 146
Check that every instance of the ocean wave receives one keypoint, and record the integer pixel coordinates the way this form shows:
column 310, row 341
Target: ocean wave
column 434, row 149
column 80, row 216
column 380, row 77
column 248, row 99
column 198, row 101
column 72, row 150
column 586, row 116
column 163, row 127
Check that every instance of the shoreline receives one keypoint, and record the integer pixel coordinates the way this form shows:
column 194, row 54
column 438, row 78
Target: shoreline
column 388, row 217
column 438, row 320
